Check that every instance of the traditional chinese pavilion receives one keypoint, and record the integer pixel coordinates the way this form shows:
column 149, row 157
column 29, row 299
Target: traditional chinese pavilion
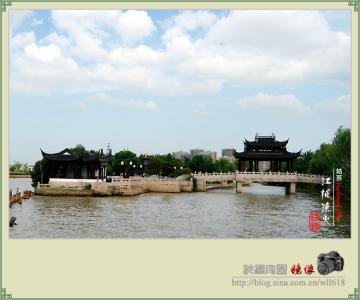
column 78, row 165
column 265, row 148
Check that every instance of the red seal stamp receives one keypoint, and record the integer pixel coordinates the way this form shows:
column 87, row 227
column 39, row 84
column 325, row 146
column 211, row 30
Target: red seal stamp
column 314, row 221
column 309, row 269
column 296, row 269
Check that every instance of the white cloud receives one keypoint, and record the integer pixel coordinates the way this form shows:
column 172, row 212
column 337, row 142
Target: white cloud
column 242, row 48
column 136, row 104
column 101, row 98
column 261, row 100
column 134, row 26
column 340, row 105
column 191, row 20
column 271, row 29
column 44, row 70
column 123, row 103
column 188, row 21
column 56, row 39
column 90, row 29
column 337, row 107
column 47, row 54
column 36, row 22
column 252, row 47
column 136, row 56
column 21, row 40
column 81, row 105
column 73, row 21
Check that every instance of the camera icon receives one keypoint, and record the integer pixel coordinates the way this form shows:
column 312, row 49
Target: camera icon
column 327, row 263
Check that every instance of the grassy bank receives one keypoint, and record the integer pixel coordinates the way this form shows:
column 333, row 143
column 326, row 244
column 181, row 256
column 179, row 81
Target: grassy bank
column 19, row 176
column 56, row 191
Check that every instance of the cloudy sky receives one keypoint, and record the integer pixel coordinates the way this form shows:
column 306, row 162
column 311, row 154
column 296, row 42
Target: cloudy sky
column 159, row 81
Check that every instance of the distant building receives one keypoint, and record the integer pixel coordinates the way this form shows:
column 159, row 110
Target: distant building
column 211, row 154
column 227, row 152
column 181, row 154
column 194, row 152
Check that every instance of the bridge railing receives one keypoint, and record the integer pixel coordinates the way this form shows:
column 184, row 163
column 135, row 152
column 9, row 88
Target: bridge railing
column 260, row 176
column 119, row 179
column 211, row 174
column 254, row 173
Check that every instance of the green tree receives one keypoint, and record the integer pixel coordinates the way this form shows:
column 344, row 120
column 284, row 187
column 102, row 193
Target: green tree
column 335, row 155
column 121, row 162
column 109, row 170
column 172, row 166
column 302, row 163
column 40, row 166
column 323, row 160
column 18, row 168
column 224, row 165
column 156, row 165
column 79, row 148
column 342, row 153
column 342, row 148
column 200, row 163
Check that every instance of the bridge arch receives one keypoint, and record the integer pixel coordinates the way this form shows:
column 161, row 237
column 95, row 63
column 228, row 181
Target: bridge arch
column 289, row 178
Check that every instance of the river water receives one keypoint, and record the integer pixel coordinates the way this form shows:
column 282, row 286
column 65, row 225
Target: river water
column 259, row 212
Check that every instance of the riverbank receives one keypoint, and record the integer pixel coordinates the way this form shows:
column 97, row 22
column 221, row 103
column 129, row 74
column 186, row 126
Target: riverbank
column 73, row 192
column 118, row 187
column 62, row 191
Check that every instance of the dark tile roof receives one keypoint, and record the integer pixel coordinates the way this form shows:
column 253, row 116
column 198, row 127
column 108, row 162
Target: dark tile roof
column 270, row 142
column 266, row 155
column 70, row 155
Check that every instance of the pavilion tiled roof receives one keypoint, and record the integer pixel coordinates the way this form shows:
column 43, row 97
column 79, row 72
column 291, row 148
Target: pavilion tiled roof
column 265, row 148
column 70, row 155
column 269, row 142
column 266, row 155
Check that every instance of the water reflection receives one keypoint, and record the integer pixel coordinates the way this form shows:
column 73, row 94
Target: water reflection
column 259, row 212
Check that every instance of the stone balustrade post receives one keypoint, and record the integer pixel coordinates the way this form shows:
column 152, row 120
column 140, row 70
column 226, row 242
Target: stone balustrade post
column 238, row 187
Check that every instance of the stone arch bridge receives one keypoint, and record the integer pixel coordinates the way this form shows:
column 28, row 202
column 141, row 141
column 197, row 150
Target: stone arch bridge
column 241, row 178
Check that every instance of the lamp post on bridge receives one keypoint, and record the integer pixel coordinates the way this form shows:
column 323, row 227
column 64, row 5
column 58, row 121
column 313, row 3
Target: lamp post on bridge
column 136, row 169
column 142, row 164
column 123, row 163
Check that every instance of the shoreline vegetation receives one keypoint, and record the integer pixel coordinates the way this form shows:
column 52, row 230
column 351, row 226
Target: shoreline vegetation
column 19, row 176
column 20, row 169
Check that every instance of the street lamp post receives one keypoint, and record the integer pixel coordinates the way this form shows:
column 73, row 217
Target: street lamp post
column 121, row 169
column 123, row 164
column 146, row 163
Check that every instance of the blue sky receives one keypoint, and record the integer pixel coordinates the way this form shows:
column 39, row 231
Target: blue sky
column 159, row 81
